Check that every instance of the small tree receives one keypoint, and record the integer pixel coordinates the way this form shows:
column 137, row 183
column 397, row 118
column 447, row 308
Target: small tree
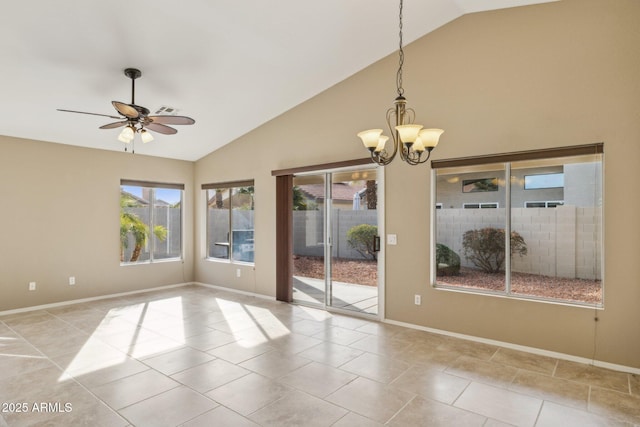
column 361, row 238
column 447, row 261
column 485, row 248
column 301, row 203
column 130, row 223
column 372, row 195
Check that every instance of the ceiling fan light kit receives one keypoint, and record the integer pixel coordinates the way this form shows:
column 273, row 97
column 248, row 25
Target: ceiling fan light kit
column 136, row 118
column 126, row 135
column 145, row 136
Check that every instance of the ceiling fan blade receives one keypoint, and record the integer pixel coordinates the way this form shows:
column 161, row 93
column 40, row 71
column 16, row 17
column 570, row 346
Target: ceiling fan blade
column 157, row 127
column 115, row 125
column 172, row 120
column 125, row 109
column 93, row 114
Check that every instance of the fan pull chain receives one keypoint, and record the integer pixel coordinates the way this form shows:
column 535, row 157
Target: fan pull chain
column 133, row 147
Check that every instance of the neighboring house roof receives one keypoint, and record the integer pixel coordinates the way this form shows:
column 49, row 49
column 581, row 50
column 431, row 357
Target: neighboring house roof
column 137, row 199
column 239, row 199
column 144, row 202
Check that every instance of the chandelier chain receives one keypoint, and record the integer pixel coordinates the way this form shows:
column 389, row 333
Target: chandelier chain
column 413, row 143
column 401, row 58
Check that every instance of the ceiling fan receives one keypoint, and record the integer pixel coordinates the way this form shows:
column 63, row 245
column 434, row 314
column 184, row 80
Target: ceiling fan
column 136, row 118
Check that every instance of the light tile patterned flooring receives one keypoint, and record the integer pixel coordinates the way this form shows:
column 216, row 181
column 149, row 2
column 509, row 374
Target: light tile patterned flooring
column 196, row 356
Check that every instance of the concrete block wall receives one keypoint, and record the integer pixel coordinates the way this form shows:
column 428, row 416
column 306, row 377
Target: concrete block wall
column 308, row 229
column 308, row 233
column 588, row 247
column 561, row 242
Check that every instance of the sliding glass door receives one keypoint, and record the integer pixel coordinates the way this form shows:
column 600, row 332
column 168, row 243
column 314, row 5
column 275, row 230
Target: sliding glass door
column 336, row 242
column 309, row 269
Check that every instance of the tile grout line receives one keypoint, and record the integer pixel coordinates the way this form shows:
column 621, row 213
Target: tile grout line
column 539, row 412
column 401, row 409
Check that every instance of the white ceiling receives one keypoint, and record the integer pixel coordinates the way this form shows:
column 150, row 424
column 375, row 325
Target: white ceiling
column 231, row 65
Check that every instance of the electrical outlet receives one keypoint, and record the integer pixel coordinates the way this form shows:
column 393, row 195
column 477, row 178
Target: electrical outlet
column 417, row 300
column 32, row 286
column 238, row 272
column 72, row 280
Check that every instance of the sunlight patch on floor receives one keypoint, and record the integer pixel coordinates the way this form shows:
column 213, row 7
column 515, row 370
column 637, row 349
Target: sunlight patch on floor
column 251, row 325
column 125, row 325
column 22, row 356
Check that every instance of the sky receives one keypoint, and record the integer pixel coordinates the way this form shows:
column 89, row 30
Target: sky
column 170, row 196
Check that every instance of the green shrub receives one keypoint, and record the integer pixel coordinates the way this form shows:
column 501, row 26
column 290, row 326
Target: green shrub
column 485, row 248
column 447, row 261
column 361, row 238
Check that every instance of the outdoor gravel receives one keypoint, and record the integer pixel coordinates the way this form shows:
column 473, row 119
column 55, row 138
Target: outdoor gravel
column 365, row 273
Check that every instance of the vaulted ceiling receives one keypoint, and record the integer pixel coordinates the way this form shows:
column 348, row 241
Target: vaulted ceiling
column 231, row 65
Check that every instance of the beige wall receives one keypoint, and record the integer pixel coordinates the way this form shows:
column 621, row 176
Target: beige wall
column 556, row 74
column 60, row 217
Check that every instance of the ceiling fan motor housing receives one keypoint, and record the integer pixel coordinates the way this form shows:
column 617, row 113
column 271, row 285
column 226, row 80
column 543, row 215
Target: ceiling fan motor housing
column 132, row 73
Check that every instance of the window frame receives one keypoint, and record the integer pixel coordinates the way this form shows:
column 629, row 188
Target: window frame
column 231, row 186
column 153, row 186
column 507, row 159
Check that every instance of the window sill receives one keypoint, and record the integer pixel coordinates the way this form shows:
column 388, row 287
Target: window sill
column 529, row 298
column 228, row 261
column 149, row 262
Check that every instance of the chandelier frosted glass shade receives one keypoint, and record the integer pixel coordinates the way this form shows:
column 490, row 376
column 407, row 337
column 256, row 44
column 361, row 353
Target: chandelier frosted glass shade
column 381, row 143
column 370, row 138
column 427, row 139
column 408, row 133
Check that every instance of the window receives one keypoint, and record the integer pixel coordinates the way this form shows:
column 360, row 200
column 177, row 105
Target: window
column 150, row 221
column 480, row 205
column 230, row 221
column 512, row 249
column 541, row 181
column 544, row 204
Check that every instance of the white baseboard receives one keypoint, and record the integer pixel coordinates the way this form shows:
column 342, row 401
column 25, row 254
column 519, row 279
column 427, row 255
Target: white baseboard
column 511, row 346
column 237, row 291
column 97, row 298
column 121, row 294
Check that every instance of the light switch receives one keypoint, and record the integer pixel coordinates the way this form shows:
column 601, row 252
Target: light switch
column 392, row 239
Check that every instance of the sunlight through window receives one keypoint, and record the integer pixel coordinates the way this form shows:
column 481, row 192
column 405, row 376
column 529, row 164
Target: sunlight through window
column 134, row 330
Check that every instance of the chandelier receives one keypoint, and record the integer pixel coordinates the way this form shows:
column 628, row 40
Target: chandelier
column 410, row 139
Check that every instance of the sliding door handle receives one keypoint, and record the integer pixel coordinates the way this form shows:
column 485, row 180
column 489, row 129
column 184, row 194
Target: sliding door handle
column 376, row 243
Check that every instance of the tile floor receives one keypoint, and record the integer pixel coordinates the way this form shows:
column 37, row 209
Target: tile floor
column 195, row 356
